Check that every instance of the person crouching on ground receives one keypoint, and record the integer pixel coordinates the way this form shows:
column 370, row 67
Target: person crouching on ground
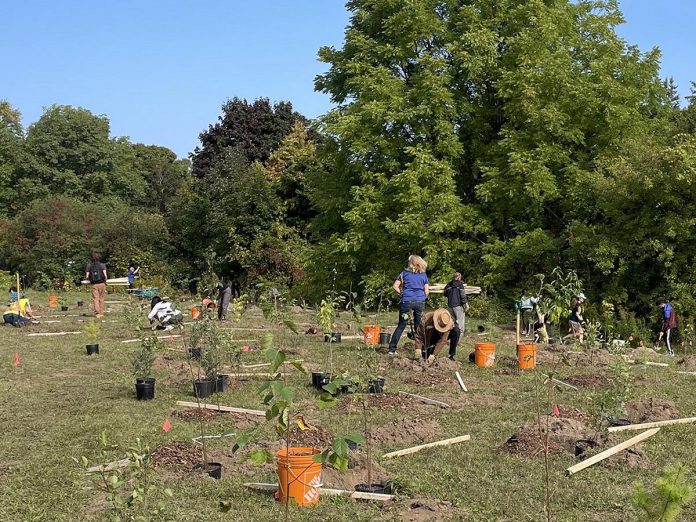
column 436, row 329
column 166, row 316
column 413, row 286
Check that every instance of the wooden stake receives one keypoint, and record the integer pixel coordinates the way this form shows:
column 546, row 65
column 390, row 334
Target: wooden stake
column 48, row 334
column 414, row 449
column 326, row 491
column 656, row 424
column 687, row 373
column 159, row 337
column 611, row 451
column 517, row 329
column 215, row 407
column 461, row 383
column 425, row 399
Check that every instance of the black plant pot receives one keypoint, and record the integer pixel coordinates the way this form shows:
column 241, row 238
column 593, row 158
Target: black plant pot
column 222, row 383
column 384, row 338
column 202, row 388
column 376, row 385
column 194, row 353
column 213, row 469
column 373, row 488
column 319, row 379
column 334, row 337
column 92, row 349
column 64, row 308
column 145, row 389
column 80, row 304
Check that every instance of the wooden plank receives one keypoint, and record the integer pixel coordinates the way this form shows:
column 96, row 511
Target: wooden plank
column 425, row 399
column 414, row 449
column 325, row 491
column 50, row 334
column 611, row 451
column 109, row 467
column 557, row 381
column 687, row 373
column 461, row 383
column 656, row 424
column 215, row 407
column 249, row 366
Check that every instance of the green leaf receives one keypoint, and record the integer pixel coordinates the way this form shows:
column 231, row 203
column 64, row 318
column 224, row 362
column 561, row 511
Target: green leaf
column 340, row 447
column 291, row 325
column 355, row 437
column 331, row 388
column 168, row 492
column 298, row 366
column 259, row 457
column 326, row 400
column 277, row 360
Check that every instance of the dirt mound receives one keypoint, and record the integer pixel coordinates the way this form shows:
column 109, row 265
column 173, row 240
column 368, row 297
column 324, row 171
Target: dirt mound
column 564, row 433
column 423, row 510
column 310, row 438
column 433, row 380
column 650, row 410
column 687, row 364
column 178, row 454
column 445, row 363
column 379, row 401
column 407, row 431
column 593, row 358
column 633, row 457
column 588, row 380
column 356, row 474
column 404, row 363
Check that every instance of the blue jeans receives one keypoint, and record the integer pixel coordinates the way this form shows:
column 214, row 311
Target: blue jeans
column 15, row 319
column 418, row 307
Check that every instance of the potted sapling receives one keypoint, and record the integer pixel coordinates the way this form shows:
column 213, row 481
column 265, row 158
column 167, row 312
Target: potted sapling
column 326, row 316
column 142, row 362
column 92, row 331
column 204, row 336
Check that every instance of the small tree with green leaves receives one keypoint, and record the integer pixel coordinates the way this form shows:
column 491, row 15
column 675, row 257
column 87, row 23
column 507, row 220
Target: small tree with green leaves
column 130, row 489
column 92, row 330
column 609, row 403
column 143, row 360
column 672, row 492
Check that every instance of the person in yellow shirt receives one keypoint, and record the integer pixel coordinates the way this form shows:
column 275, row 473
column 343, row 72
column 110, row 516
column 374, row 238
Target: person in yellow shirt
column 18, row 313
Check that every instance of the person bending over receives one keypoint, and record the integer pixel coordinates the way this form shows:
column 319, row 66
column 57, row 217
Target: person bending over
column 436, row 329
column 413, row 286
column 166, row 316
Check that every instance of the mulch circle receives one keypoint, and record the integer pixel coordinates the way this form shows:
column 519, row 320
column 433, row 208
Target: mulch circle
column 178, row 454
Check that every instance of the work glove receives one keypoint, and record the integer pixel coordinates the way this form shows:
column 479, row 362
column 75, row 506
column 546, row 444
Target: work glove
column 431, row 358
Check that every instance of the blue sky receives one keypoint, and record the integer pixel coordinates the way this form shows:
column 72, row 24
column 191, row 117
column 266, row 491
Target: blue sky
column 160, row 70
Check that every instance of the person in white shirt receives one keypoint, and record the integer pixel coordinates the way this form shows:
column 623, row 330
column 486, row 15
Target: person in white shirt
column 166, row 316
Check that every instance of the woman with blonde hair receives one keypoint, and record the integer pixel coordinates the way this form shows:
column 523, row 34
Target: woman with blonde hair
column 413, row 286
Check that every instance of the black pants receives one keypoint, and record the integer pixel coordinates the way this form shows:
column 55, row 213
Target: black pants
column 405, row 307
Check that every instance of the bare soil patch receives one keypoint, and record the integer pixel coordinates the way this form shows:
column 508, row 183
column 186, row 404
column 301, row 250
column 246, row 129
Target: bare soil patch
column 588, row 380
column 420, row 428
column 178, row 454
column 687, row 364
column 356, row 474
column 650, row 410
column 379, row 401
column 423, row 510
column 564, row 432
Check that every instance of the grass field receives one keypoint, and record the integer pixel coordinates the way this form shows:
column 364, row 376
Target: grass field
column 57, row 401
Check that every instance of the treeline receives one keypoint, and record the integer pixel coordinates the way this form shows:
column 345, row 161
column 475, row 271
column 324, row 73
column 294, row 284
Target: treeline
column 501, row 139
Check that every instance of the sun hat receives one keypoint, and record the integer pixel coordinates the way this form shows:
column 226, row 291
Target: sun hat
column 582, row 296
column 442, row 320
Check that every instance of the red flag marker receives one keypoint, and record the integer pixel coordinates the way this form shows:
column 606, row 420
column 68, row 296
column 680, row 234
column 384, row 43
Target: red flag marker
column 167, row 426
column 15, row 361
column 170, row 338
column 556, row 411
column 245, row 348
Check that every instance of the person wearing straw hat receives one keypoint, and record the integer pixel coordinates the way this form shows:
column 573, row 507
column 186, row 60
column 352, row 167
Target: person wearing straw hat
column 436, row 328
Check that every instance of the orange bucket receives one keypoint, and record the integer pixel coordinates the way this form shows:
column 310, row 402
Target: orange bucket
column 53, row 301
column 299, row 476
column 484, row 354
column 195, row 312
column 371, row 334
column 526, row 356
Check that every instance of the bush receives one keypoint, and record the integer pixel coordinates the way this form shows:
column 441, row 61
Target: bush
column 489, row 309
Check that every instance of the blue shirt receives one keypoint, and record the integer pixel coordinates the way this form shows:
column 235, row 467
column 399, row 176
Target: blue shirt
column 667, row 311
column 131, row 277
column 413, row 285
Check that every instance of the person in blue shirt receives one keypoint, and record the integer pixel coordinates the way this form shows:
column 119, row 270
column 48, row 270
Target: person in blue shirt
column 669, row 323
column 132, row 272
column 413, row 286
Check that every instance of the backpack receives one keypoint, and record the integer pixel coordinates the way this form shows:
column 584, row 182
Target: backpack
column 96, row 273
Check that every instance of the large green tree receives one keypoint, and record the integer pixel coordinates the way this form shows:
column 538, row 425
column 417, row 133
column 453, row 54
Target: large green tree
column 464, row 131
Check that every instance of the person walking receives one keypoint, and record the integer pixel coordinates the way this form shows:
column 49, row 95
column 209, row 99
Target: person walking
column 669, row 323
column 433, row 332
column 413, row 286
column 95, row 273
column 224, row 298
